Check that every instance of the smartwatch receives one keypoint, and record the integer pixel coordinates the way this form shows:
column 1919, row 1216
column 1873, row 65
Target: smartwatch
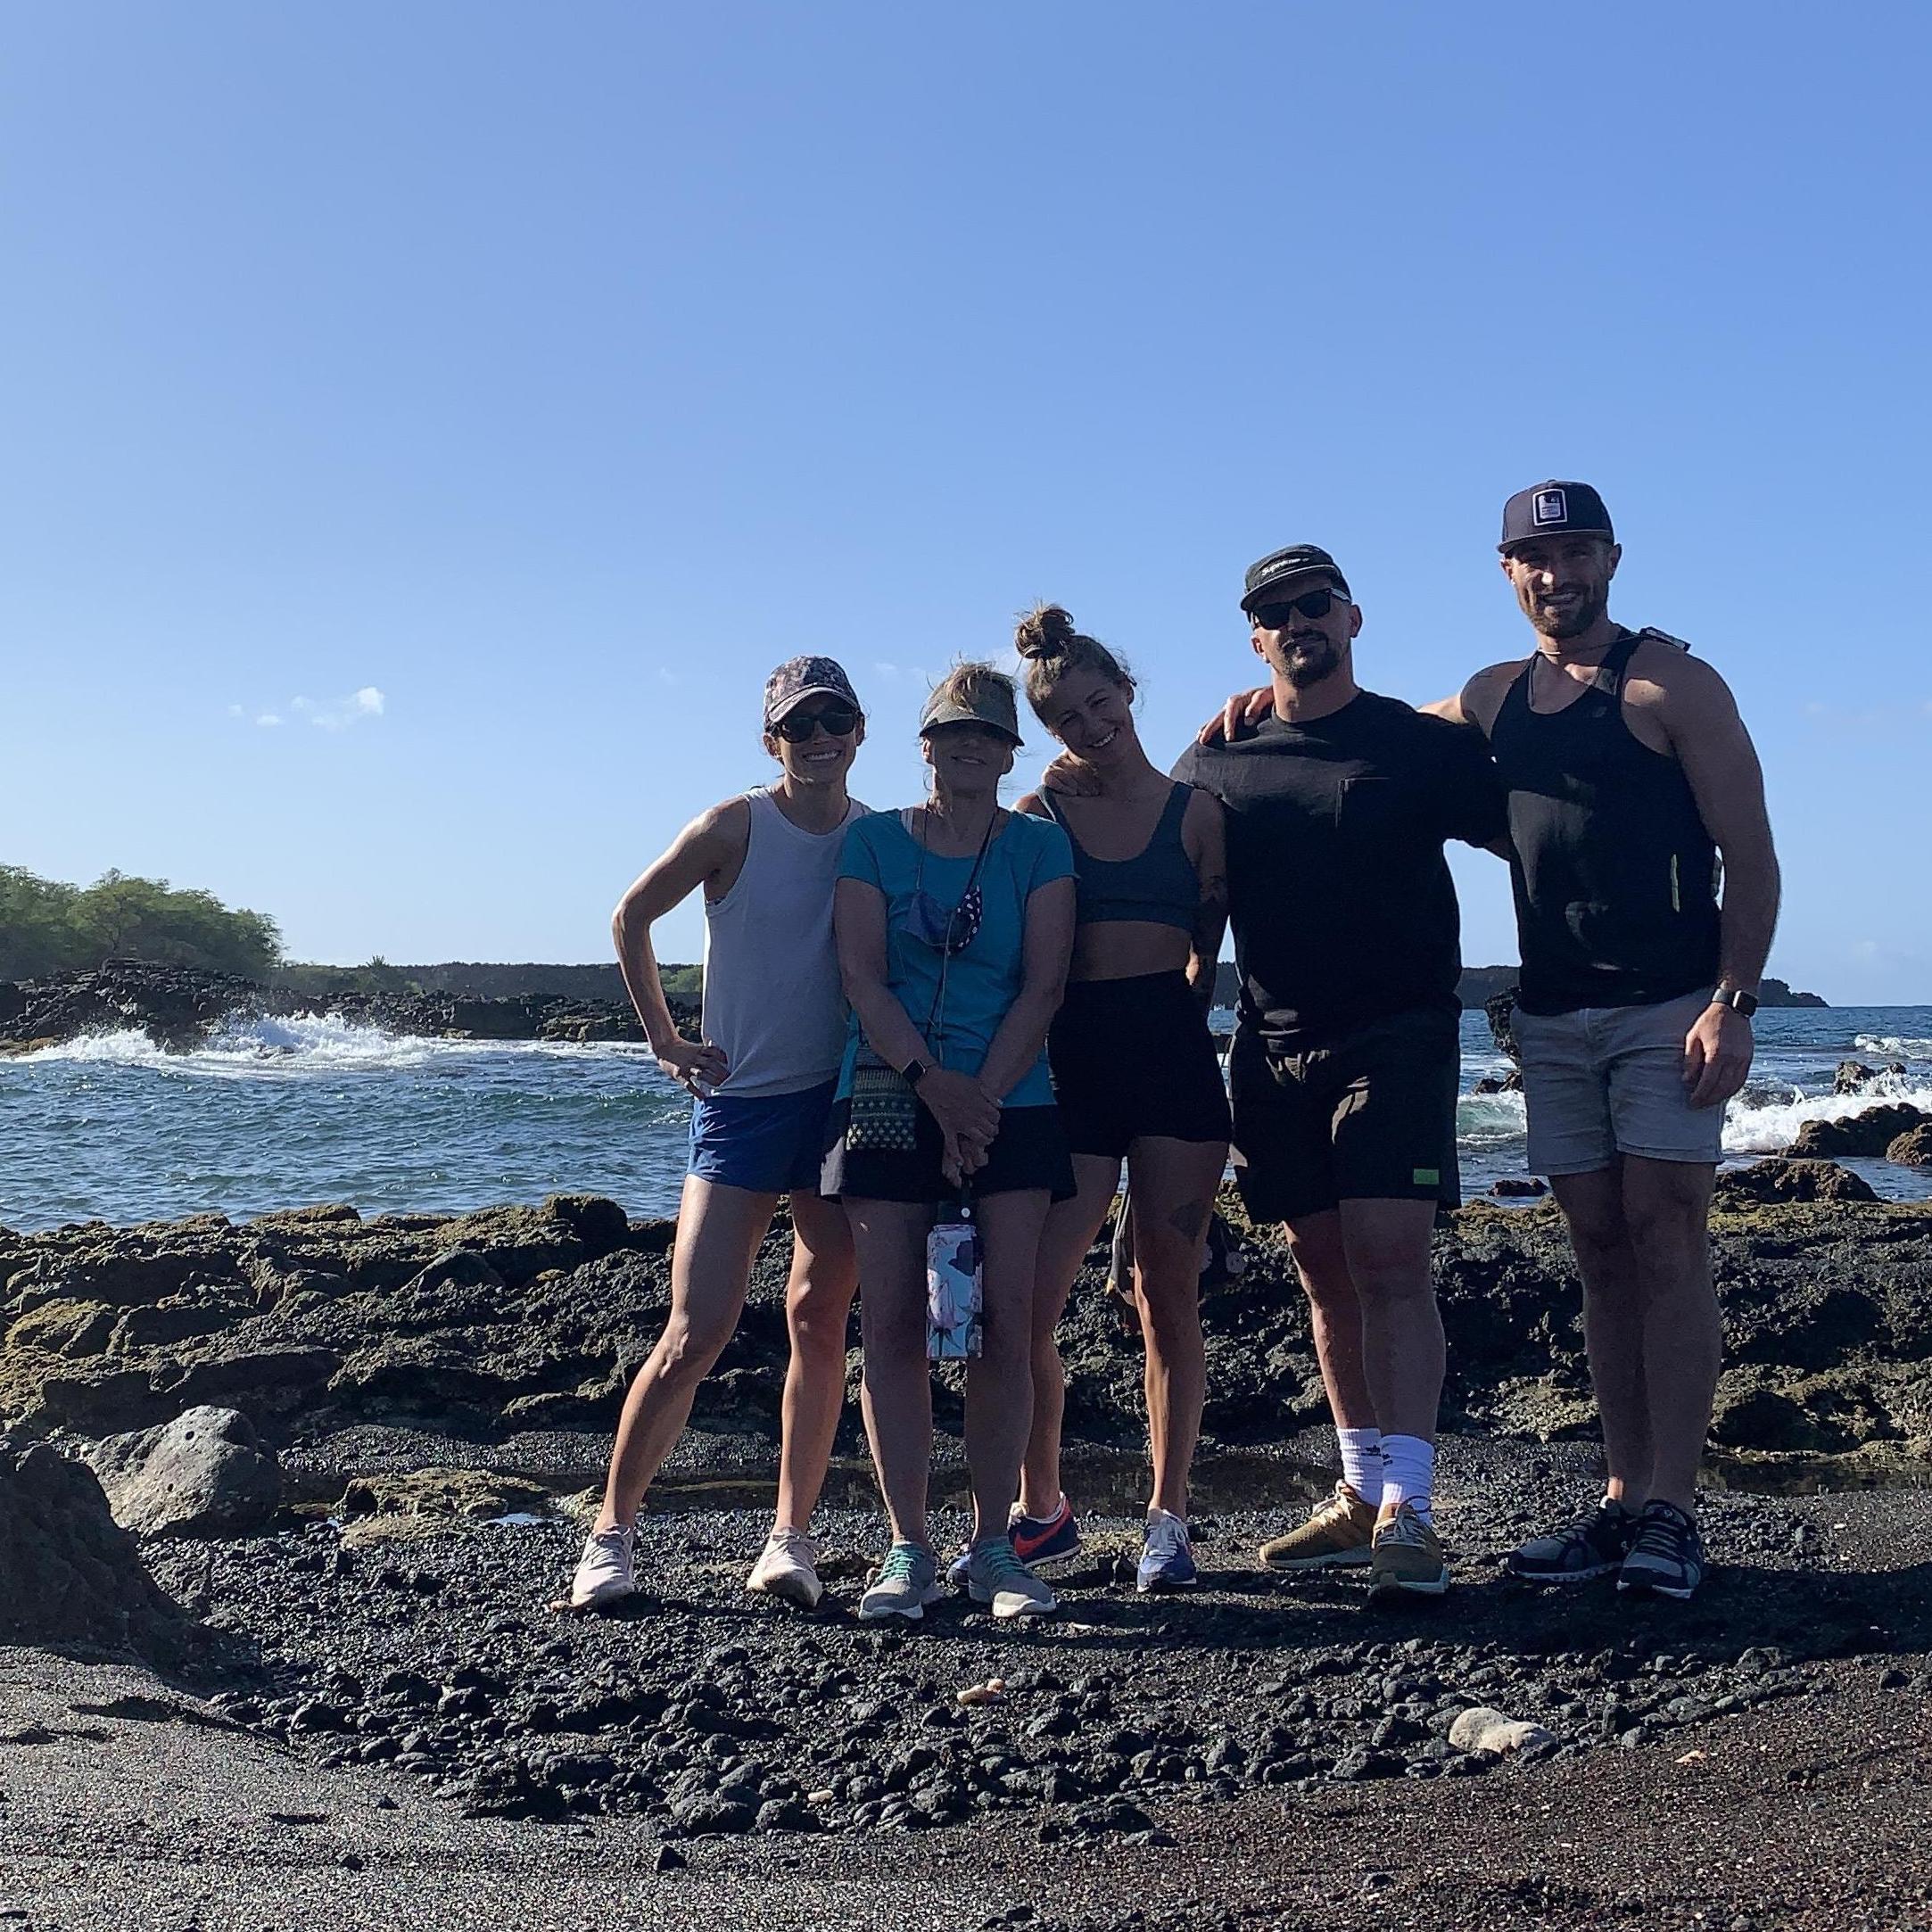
column 915, row 1070
column 1740, row 1002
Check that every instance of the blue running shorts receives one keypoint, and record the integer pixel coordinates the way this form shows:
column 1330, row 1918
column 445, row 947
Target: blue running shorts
column 771, row 1143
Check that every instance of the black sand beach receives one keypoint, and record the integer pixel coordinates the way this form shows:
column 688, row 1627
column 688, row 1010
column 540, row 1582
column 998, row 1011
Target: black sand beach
column 1268, row 1752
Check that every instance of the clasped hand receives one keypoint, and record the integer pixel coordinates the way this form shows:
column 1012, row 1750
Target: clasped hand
column 967, row 1115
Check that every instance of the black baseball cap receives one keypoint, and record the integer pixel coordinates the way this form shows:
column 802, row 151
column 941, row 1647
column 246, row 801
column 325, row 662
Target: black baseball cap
column 800, row 678
column 1555, row 508
column 1280, row 568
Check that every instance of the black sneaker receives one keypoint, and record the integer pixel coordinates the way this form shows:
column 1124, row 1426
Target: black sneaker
column 1666, row 1557
column 1592, row 1546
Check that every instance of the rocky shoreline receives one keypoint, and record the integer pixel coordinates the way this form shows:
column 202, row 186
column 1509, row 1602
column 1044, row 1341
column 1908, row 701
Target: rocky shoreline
column 518, row 1322
column 179, row 1007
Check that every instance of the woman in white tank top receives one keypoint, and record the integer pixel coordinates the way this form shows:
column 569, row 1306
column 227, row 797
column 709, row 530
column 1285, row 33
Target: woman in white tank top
column 761, row 1079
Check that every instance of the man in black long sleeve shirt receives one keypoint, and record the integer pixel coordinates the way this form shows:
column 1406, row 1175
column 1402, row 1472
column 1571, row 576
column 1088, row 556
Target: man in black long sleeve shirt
column 1345, row 1062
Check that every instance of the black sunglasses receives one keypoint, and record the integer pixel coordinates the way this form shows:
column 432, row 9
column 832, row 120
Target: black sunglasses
column 1311, row 604
column 797, row 726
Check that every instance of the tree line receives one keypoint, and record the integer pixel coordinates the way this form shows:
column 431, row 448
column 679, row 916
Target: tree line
column 47, row 927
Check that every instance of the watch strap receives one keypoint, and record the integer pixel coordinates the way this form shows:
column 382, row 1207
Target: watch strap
column 914, row 1071
column 1736, row 999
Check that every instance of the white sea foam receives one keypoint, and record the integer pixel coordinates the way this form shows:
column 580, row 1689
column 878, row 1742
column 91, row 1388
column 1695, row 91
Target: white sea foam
column 1489, row 1119
column 1769, row 1126
column 1893, row 1045
column 246, row 1048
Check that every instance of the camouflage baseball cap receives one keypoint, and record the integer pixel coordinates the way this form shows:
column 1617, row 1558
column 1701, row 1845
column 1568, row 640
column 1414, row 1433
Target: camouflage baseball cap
column 800, row 678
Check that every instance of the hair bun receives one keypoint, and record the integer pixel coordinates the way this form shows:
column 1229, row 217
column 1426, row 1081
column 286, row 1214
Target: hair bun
column 1045, row 631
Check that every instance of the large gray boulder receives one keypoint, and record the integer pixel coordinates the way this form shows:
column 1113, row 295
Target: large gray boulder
column 69, row 1575
column 205, row 1473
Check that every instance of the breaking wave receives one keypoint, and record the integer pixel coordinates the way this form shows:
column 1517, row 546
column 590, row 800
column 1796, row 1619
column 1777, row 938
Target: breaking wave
column 260, row 1047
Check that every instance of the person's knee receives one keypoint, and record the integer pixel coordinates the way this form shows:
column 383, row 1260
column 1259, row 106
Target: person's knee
column 687, row 1349
column 1393, row 1281
column 818, row 1313
column 1667, row 1221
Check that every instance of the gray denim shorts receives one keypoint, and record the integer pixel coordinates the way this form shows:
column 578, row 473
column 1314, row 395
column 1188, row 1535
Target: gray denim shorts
column 1609, row 1080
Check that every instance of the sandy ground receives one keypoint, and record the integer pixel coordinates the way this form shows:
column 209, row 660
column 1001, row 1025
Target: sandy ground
column 1806, row 1815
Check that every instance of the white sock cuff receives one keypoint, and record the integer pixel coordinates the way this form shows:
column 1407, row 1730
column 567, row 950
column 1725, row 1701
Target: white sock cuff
column 1361, row 1462
column 1408, row 1473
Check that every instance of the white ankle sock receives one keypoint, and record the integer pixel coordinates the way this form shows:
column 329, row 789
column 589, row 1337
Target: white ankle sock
column 1408, row 1473
column 1361, row 1463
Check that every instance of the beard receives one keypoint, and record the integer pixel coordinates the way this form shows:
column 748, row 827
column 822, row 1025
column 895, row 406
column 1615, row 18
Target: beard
column 1573, row 623
column 1305, row 664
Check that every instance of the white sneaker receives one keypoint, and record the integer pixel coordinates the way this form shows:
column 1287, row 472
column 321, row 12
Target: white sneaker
column 788, row 1567
column 606, row 1572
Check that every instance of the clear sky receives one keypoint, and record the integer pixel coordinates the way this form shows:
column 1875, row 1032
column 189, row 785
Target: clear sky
column 423, row 425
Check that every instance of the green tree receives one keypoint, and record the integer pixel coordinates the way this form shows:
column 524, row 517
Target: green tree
column 47, row 927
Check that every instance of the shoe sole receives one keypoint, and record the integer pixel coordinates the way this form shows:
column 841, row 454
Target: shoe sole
column 602, row 1600
column 1022, row 1609
column 1676, row 1592
column 1389, row 1586
column 1564, row 1576
column 1339, row 1559
column 1060, row 1562
column 792, row 1589
column 912, row 1615
column 1161, row 1586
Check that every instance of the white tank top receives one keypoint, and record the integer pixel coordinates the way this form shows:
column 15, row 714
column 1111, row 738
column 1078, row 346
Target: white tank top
column 772, row 998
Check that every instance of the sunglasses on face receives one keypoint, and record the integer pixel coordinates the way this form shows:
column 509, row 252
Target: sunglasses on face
column 1311, row 604
column 796, row 727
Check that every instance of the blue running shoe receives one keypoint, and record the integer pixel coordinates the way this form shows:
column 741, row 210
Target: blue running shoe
column 1166, row 1556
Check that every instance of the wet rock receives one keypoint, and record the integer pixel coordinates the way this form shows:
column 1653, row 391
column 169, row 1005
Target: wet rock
column 73, row 1575
column 205, row 1473
column 1519, row 1187
column 1852, row 1077
column 1786, row 1178
column 1868, row 1133
column 1913, row 1148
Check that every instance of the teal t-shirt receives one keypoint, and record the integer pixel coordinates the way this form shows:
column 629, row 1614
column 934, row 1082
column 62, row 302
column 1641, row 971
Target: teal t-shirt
column 983, row 979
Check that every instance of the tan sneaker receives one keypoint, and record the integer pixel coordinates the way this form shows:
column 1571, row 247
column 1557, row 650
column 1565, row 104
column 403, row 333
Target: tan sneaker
column 1408, row 1557
column 1336, row 1536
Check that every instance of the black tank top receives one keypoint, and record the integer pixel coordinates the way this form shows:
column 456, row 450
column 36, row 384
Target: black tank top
column 1158, row 884
column 1615, row 876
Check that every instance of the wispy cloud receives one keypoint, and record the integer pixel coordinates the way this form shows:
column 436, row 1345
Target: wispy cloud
column 333, row 714
column 338, row 713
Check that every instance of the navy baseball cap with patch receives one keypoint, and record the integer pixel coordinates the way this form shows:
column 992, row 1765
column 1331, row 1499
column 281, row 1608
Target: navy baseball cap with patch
column 1554, row 509
column 800, row 678
column 1278, row 569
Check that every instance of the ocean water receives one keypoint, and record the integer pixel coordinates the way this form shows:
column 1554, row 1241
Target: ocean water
column 275, row 1113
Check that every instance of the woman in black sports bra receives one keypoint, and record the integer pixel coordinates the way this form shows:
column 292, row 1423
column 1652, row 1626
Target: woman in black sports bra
column 1134, row 1072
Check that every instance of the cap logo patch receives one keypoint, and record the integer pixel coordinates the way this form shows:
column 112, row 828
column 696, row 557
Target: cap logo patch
column 1550, row 507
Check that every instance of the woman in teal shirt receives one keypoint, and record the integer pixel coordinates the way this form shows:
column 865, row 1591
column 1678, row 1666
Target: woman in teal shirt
column 954, row 921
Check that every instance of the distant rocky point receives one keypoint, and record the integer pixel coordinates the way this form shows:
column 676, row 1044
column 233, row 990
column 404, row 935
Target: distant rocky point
column 178, row 1007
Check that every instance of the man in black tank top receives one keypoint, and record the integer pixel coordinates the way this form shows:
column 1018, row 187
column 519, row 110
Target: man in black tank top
column 1344, row 1068
column 1630, row 773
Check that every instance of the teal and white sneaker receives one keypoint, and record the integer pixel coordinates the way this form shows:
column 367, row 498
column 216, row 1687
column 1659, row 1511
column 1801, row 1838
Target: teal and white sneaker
column 996, row 1577
column 908, row 1581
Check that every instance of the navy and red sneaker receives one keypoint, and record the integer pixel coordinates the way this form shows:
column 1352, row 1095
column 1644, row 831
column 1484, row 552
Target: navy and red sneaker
column 1040, row 1542
column 1045, row 1542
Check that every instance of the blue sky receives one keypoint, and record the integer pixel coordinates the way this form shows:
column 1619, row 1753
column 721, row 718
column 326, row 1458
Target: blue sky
column 490, row 394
